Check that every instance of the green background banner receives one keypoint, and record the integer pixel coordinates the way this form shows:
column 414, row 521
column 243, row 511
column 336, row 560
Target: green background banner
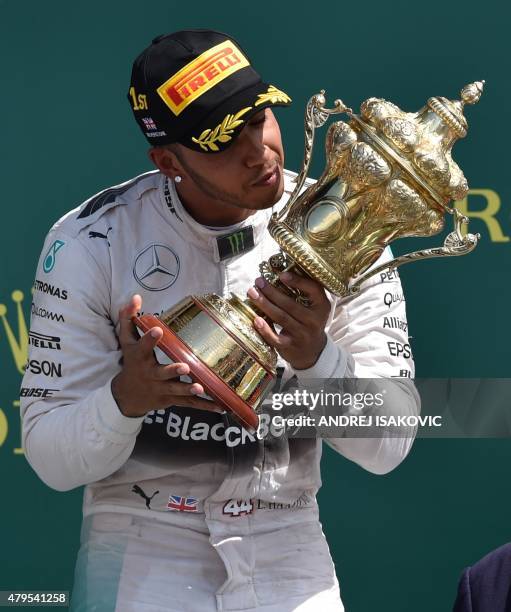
column 67, row 133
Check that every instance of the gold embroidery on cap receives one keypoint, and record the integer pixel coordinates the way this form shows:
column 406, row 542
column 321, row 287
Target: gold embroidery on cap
column 273, row 95
column 222, row 132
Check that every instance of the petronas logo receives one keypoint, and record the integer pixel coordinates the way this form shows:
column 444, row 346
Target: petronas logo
column 18, row 340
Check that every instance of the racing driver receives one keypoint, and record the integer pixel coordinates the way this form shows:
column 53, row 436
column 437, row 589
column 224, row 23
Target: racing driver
column 184, row 510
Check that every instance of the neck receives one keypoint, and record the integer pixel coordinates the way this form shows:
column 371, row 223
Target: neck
column 211, row 211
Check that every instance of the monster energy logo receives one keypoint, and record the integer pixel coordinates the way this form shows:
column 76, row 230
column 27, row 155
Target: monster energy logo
column 238, row 242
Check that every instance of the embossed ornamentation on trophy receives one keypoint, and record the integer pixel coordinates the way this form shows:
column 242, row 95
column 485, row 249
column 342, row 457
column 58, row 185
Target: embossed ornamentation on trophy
column 389, row 174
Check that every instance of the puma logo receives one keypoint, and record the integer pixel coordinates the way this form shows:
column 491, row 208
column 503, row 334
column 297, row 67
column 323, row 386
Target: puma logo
column 100, row 235
column 136, row 489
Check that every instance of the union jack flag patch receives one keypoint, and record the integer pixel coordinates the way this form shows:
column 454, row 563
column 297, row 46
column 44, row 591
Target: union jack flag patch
column 149, row 123
column 182, row 504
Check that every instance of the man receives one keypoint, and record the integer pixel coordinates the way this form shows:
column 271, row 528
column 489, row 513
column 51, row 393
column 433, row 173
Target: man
column 184, row 509
column 486, row 585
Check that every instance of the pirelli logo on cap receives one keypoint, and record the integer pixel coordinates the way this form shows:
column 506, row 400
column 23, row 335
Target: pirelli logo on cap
column 200, row 75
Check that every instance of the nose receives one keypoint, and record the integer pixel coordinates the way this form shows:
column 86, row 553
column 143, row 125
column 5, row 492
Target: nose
column 256, row 152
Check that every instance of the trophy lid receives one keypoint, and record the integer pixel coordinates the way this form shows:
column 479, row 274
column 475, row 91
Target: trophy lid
column 421, row 142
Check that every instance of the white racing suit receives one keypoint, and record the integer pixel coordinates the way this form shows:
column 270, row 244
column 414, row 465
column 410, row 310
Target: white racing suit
column 183, row 509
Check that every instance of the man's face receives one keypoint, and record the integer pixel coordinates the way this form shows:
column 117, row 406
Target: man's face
column 249, row 174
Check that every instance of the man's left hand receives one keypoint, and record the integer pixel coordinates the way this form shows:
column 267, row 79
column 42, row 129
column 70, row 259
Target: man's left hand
column 303, row 337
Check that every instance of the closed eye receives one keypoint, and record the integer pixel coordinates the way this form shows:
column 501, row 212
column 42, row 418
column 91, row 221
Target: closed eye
column 258, row 119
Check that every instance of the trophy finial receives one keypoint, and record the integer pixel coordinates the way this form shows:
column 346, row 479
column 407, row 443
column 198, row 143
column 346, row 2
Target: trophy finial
column 451, row 111
column 472, row 92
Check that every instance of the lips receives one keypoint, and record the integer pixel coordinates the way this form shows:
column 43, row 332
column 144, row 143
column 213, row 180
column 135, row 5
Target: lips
column 268, row 178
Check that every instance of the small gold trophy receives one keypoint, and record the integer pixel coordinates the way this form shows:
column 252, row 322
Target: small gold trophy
column 389, row 174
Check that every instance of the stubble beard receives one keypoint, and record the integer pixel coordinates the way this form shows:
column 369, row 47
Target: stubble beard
column 211, row 190
column 214, row 192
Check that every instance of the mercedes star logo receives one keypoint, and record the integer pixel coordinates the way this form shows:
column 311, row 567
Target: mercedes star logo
column 156, row 267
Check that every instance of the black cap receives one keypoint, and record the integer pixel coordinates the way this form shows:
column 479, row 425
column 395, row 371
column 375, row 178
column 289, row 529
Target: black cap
column 198, row 88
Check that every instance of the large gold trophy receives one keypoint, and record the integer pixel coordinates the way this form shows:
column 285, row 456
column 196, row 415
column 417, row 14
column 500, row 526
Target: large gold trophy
column 389, row 174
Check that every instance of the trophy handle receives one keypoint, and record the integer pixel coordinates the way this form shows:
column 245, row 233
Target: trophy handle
column 315, row 116
column 455, row 244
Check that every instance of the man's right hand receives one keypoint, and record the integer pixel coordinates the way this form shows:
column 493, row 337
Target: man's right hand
column 143, row 384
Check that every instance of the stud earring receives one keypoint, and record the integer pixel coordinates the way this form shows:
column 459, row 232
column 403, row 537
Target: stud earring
column 177, row 179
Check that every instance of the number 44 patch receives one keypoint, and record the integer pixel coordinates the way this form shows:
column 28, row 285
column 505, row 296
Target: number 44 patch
column 238, row 507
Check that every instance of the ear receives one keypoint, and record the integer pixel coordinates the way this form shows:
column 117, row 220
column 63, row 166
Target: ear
column 166, row 161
